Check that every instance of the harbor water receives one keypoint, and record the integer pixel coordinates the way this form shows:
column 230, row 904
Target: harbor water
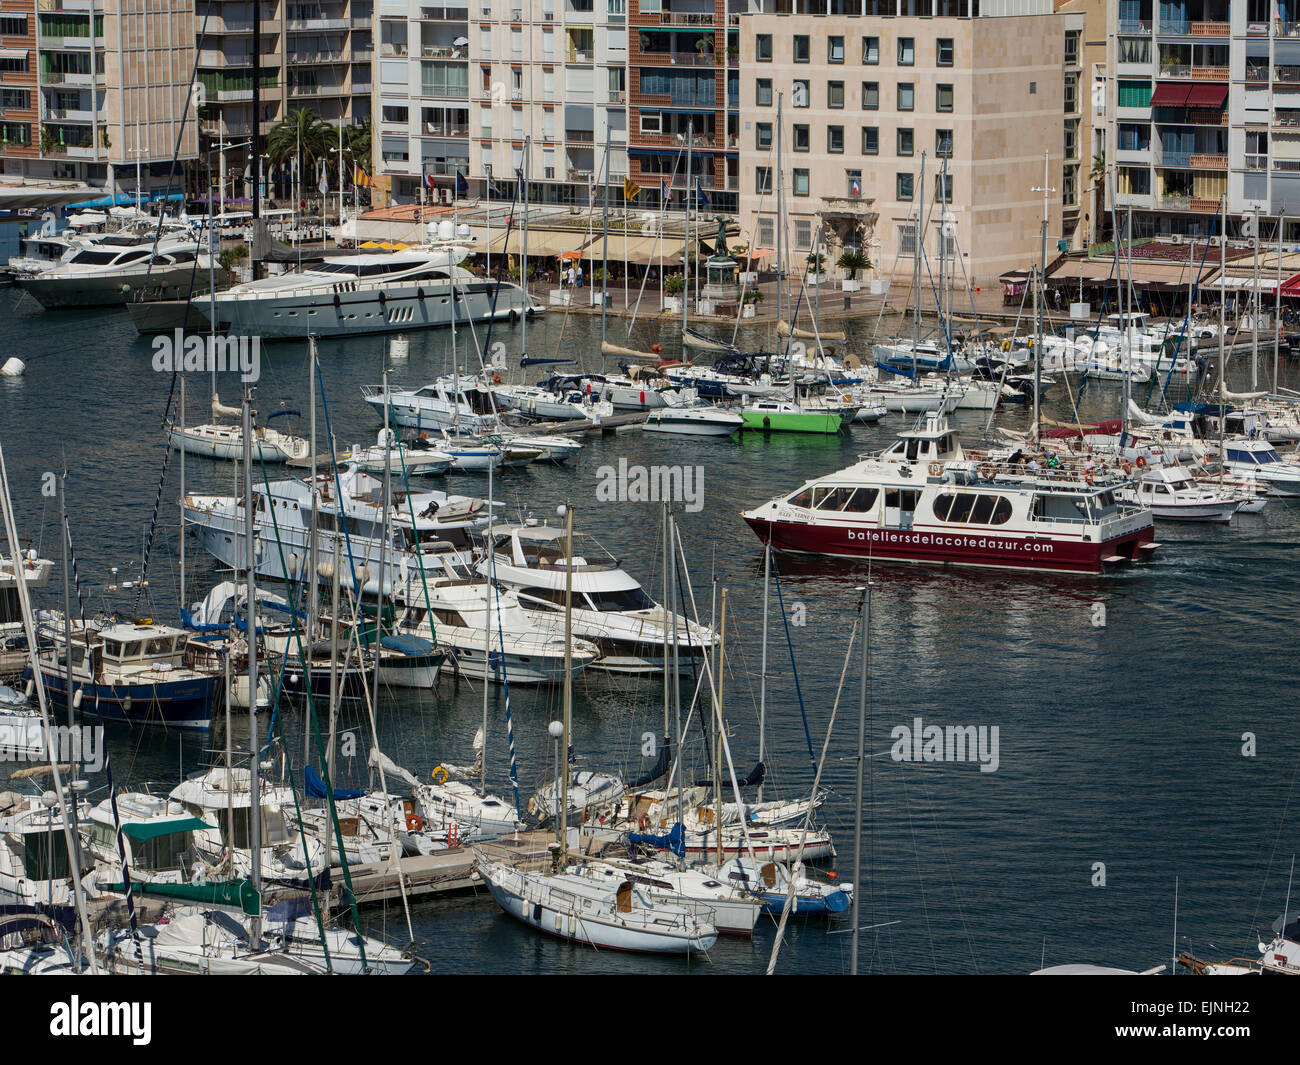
column 1145, row 737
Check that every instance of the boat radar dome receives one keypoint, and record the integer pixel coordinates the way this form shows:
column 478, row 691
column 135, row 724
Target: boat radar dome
column 446, row 230
column 463, row 231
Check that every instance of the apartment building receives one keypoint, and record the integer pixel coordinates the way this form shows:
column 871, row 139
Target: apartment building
column 1203, row 106
column 314, row 54
column 1086, row 76
column 979, row 92
column 96, row 92
column 463, row 89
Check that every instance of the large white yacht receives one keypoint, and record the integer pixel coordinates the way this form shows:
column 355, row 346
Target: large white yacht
column 370, row 292
column 610, row 608
column 122, row 267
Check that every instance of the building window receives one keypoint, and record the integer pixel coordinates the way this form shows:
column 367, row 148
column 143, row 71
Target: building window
column 835, row 140
column 870, row 140
column 853, row 179
column 802, row 141
column 907, row 96
column 801, row 96
column 1070, row 188
column 835, row 95
column 800, row 182
column 1071, row 141
column 763, row 92
column 1033, row 88
column 1071, row 93
column 943, row 143
column 802, row 233
column 905, row 142
column 903, row 184
column 763, row 135
column 943, row 188
column 763, row 47
column 1134, row 94
column 1072, row 48
column 651, row 122
column 762, row 180
column 766, row 232
column 943, row 99
column 906, row 51
column 835, row 50
column 871, row 96
column 907, row 238
column 943, row 52
column 870, row 51
column 802, row 53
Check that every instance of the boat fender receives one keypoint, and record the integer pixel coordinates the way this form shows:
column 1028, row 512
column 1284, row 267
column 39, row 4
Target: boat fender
column 767, row 422
column 383, row 298
column 936, row 469
column 440, row 779
column 643, row 822
column 496, row 378
column 414, row 823
column 1128, row 466
column 514, row 316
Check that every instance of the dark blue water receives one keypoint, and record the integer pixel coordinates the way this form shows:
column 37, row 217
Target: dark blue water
column 1119, row 744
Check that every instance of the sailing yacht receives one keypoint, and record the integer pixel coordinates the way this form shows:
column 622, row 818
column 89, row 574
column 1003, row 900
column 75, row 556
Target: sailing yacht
column 371, row 293
column 34, row 863
column 610, row 608
column 35, row 572
column 220, row 440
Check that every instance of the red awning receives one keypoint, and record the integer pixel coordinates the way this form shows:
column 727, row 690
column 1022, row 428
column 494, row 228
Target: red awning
column 1170, row 94
column 1207, row 95
column 1291, row 286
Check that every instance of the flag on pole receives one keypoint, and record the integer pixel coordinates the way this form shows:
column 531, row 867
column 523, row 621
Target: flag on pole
column 701, row 200
column 630, row 189
column 665, row 193
column 429, row 181
column 855, row 187
column 363, row 180
column 462, row 186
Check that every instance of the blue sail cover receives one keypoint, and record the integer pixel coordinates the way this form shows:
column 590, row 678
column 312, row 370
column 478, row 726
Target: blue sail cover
column 675, row 841
column 316, row 787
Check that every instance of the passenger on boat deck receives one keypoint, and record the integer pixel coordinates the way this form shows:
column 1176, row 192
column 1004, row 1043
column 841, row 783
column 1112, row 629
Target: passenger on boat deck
column 1033, row 465
column 1017, row 458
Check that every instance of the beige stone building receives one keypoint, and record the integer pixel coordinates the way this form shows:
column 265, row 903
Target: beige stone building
column 97, row 104
column 867, row 102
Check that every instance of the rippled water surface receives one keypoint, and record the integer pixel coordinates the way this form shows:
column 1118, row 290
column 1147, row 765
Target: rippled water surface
column 1120, row 745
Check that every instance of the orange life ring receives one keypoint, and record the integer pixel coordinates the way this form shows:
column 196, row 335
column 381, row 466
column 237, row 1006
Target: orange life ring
column 496, row 378
column 1128, row 467
column 414, row 823
column 936, row 469
column 424, row 436
column 643, row 822
column 1140, row 462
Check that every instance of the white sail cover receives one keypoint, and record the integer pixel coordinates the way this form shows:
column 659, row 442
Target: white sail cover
column 783, row 329
column 378, row 759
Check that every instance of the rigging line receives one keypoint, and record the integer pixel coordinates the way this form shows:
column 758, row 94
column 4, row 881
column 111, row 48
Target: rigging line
column 1187, row 318
column 251, row 615
column 501, row 263
column 157, row 501
column 798, row 688
column 338, row 488
column 807, row 822
column 947, row 861
column 920, row 877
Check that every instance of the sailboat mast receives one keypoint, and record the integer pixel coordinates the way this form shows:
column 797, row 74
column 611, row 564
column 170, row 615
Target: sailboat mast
column 312, row 549
column 667, row 607
column 862, row 758
column 487, row 647
column 686, row 247
column 1254, row 306
column 250, row 560
column 717, row 732
column 762, row 669
column 568, row 686
column 604, row 246
column 385, row 531
column 1039, row 299
column 780, row 222
column 67, row 597
column 523, row 244
column 675, row 595
column 916, row 267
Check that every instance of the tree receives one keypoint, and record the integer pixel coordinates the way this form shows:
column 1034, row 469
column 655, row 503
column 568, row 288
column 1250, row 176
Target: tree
column 852, row 260
column 356, row 139
column 304, row 134
column 673, row 284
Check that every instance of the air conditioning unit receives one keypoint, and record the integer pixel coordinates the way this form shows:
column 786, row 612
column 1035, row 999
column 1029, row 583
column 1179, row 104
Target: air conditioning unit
column 1176, row 238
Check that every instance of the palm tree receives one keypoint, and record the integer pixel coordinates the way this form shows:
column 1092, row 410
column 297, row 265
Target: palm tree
column 301, row 133
column 356, row 140
column 1097, row 175
column 851, row 261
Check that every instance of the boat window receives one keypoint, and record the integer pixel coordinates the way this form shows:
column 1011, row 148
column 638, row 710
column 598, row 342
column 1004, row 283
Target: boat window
column 835, row 499
column 45, row 855
column 159, row 645
column 961, row 508
column 902, row 498
column 112, row 649
column 1001, row 511
column 1270, row 455
column 914, row 448
column 162, row 852
column 942, row 505
column 548, row 598
column 626, row 599
column 801, row 499
column 862, row 501
column 982, row 510
column 86, row 257
column 132, row 649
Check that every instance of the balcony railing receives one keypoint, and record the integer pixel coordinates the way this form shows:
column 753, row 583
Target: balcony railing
column 1256, row 72
column 1204, row 206
column 1255, row 162
column 1210, row 29
column 1287, row 73
column 687, row 18
column 680, row 59
column 1135, row 27
column 1286, row 29
column 1286, row 164
column 1209, row 162
column 580, row 136
column 1168, row 158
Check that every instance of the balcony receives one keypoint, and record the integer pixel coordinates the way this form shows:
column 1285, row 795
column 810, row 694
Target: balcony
column 437, row 51
column 1209, row 162
column 316, row 57
column 296, row 25
column 1292, row 165
column 1286, row 29
column 1203, row 206
column 229, row 96
column 1135, row 27
column 1255, row 162
column 1178, row 159
column 1173, row 203
column 1210, row 29
column 679, row 59
column 580, row 136
column 1287, row 73
column 1182, row 70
